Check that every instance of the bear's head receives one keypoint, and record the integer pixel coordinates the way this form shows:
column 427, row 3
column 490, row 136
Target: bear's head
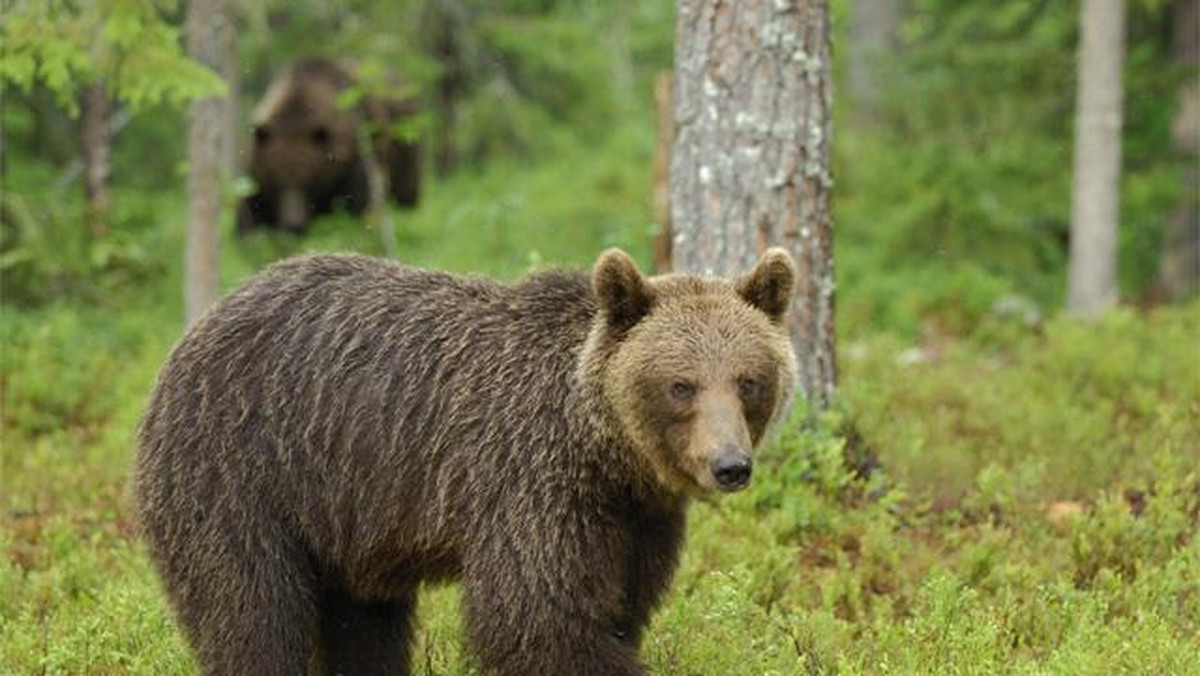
column 695, row 370
column 304, row 141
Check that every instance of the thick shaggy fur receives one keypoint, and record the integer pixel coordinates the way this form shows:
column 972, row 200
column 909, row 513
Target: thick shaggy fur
column 307, row 158
column 341, row 429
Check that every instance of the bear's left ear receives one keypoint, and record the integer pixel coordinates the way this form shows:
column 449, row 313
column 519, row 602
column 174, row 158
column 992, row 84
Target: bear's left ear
column 769, row 285
column 624, row 294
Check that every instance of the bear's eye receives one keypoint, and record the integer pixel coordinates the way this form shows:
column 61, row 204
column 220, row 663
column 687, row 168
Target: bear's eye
column 320, row 136
column 749, row 389
column 261, row 135
column 682, row 390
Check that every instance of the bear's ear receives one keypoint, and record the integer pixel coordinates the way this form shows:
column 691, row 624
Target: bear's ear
column 624, row 295
column 769, row 285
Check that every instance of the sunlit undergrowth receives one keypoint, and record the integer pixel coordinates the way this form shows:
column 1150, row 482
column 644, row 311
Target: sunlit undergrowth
column 1000, row 490
column 1036, row 512
column 997, row 492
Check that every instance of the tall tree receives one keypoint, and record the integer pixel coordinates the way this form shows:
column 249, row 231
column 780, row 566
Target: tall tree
column 750, row 166
column 1092, row 283
column 89, row 56
column 231, row 73
column 96, row 134
column 1179, row 267
column 66, row 46
column 445, row 32
column 665, row 121
column 874, row 33
column 206, row 122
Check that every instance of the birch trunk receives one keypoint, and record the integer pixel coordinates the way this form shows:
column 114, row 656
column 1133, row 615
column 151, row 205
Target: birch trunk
column 206, row 120
column 96, row 133
column 874, row 32
column 751, row 161
column 231, row 73
column 665, row 121
column 1095, row 195
column 444, row 23
column 1179, row 266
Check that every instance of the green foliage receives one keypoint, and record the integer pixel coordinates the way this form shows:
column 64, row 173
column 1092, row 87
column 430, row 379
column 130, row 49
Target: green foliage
column 126, row 44
column 944, row 562
column 498, row 79
column 501, row 221
column 1127, row 399
column 970, row 161
column 947, row 561
column 1038, row 503
column 46, row 252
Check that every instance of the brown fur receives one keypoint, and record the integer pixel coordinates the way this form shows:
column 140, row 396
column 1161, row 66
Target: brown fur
column 305, row 156
column 341, row 429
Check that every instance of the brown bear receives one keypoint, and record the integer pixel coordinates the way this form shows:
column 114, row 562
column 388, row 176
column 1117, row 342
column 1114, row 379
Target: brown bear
column 341, row 429
column 307, row 157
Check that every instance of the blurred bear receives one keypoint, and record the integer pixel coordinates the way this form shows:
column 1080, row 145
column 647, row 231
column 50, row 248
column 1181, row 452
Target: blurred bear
column 307, row 157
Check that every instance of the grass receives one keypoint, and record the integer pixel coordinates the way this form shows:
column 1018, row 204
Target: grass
column 1036, row 511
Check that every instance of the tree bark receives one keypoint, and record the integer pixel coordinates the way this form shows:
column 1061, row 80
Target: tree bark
column 373, row 146
column 874, row 32
column 1179, row 266
column 96, row 133
column 621, row 54
column 231, row 73
column 1095, row 195
column 206, row 121
column 665, row 119
column 751, row 161
column 445, row 25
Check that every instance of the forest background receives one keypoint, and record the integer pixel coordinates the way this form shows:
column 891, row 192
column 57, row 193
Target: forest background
column 1000, row 487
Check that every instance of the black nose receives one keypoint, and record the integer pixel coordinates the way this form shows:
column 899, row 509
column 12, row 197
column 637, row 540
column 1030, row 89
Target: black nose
column 732, row 470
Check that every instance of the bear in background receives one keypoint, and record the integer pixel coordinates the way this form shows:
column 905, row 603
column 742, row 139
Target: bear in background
column 342, row 429
column 307, row 158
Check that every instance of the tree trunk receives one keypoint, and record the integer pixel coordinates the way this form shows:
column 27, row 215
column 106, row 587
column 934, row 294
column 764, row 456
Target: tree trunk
column 750, row 166
column 96, row 133
column 445, row 24
column 621, row 54
column 231, row 73
column 1095, row 196
column 662, row 172
column 205, row 124
column 373, row 146
column 874, row 32
column 1179, row 267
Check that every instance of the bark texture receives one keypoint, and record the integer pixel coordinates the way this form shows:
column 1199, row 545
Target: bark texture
column 1095, row 195
column 665, row 120
column 445, row 27
column 231, row 73
column 206, row 122
column 1179, row 267
column 751, row 161
column 96, row 132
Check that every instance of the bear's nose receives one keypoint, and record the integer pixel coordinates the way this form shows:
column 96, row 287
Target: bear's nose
column 731, row 469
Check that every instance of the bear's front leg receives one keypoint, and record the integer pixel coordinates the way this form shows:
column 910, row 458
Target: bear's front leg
column 255, row 211
column 548, row 612
column 656, row 536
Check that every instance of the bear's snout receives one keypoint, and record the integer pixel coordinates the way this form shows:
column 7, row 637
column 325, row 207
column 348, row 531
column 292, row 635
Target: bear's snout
column 731, row 469
column 293, row 210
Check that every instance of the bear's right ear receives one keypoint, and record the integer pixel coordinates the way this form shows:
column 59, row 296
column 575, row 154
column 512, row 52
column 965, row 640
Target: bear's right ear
column 624, row 294
column 769, row 285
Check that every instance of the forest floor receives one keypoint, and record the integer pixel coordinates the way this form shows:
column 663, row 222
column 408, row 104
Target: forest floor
column 1022, row 497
